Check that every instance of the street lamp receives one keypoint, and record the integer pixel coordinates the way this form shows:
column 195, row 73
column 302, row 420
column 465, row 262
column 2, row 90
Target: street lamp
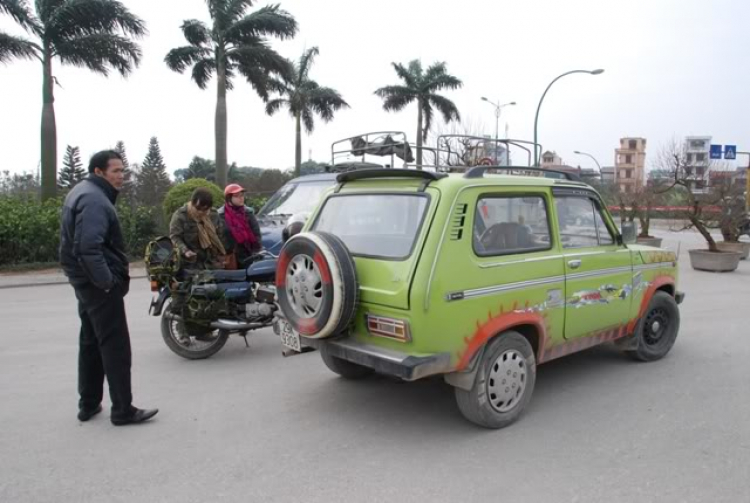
column 594, row 158
column 497, row 124
column 536, row 118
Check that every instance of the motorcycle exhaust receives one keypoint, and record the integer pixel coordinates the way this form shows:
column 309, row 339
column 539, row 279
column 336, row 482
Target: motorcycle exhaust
column 224, row 324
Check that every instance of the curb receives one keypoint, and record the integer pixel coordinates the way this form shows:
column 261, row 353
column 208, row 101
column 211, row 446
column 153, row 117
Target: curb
column 20, row 283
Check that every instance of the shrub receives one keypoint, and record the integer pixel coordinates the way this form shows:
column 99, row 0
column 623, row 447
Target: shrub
column 180, row 194
column 29, row 230
column 139, row 226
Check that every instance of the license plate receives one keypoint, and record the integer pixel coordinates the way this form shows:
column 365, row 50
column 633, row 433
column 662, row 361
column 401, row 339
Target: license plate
column 289, row 336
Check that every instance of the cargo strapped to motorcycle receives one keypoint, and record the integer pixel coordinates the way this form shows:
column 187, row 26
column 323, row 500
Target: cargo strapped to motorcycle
column 162, row 260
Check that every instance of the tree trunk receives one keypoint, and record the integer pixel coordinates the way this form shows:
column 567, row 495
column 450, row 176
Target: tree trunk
column 698, row 224
column 49, row 129
column 221, row 120
column 419, row 134
column 298, row 146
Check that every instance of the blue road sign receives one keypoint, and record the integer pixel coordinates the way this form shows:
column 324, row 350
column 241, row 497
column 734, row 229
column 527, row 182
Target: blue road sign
column 715, row 152
column 730, row 152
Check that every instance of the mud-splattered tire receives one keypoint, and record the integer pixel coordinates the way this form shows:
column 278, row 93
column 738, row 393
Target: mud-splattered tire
column 503, row 385
column 344, row 368
column 657, row 331
column 182, row 343
column 316, row 284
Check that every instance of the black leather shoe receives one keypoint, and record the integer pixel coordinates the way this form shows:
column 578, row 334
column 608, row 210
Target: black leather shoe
column 84, row 415
column 139, row 416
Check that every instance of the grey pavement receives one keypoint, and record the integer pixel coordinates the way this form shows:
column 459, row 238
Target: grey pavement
column 249, row 425
column 49, row 277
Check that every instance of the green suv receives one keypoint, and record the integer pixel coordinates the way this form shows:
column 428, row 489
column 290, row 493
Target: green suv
column 479, row 277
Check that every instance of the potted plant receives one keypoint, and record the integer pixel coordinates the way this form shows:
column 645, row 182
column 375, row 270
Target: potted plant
column 638, row 204
column 733, row 220
column 704, row 204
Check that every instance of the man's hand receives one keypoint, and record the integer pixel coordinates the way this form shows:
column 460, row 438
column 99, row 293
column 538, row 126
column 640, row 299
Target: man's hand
column 189, row 254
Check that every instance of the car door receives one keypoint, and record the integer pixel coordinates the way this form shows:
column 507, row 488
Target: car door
column 598, row 270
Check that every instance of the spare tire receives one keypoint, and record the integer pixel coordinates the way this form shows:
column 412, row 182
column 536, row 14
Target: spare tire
column 316, row 284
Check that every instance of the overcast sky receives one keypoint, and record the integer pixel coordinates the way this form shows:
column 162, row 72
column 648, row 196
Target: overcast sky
column 672, row 68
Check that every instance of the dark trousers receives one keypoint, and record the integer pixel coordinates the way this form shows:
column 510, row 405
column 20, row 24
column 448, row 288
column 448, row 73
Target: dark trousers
column 104, row 348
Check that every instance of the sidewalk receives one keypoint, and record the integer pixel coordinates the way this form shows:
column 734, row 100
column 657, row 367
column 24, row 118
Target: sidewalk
column 49, row 277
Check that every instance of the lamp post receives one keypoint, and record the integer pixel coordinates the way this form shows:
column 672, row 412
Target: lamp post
column 497, row 123
column 594, row 159
column 536, row 118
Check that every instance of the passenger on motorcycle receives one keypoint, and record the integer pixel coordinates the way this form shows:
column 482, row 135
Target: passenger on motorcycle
column 195, row 232
column 241, row 231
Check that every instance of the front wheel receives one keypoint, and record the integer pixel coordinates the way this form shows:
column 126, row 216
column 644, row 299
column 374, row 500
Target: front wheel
column 657, row 331
column 189, row 340
column 503, row 385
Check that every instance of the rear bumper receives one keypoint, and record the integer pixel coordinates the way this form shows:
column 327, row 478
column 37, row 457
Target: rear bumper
column 384, row 361
column 679, row 297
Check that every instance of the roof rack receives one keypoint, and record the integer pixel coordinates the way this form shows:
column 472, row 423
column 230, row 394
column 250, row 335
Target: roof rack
column 479, row 172
column 363, row 174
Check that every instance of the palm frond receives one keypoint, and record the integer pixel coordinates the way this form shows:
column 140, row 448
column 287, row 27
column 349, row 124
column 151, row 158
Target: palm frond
column 269, row 21
column 275, row 104
column 203, row 70
column 236, row 8
column 75, row 18
column 410, row 75
column 308, row 121
column 180, row 58
column 16, row 47
column 325, row 101
column 45, row 8
column 397, row 102
column 387, row 91
column 261, row 58
column 196, row 32
column 305, row 63
column 445, row 106
column 21, row 13
column 443, row 81
column 100, row 53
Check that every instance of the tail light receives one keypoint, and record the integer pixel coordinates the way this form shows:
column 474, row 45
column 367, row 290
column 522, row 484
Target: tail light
column 388, row 327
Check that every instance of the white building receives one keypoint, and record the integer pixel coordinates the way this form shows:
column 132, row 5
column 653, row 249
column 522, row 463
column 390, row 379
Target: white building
column 697, row 162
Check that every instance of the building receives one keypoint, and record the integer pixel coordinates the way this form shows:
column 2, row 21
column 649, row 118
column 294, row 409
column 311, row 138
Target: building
column 550, row 159
column 660, row 177
column 630, row 164
column 697, row 162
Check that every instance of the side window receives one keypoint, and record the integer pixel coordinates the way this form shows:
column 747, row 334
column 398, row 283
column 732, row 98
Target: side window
column 509, row 225
column 581, row 223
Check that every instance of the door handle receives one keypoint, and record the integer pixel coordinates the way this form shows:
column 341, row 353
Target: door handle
column 574, row 264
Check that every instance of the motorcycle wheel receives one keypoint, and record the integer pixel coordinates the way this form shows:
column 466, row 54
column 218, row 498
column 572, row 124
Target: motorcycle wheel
column 182, row 343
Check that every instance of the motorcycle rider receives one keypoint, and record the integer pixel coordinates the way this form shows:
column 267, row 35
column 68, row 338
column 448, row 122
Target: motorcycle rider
column 194, row 230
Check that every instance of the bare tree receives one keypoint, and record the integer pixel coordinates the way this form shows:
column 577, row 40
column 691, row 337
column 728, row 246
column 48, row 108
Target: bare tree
column 707, row 206
column 460, row 151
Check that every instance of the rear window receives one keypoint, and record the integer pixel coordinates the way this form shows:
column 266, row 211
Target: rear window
column 374, row 225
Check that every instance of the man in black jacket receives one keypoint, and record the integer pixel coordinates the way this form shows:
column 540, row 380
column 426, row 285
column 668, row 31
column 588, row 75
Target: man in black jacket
column 92, row 254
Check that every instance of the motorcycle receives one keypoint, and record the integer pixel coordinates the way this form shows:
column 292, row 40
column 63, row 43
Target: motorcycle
column 200, row 309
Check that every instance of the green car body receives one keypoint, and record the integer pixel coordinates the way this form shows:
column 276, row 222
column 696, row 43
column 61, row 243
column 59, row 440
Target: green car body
column 434, row 309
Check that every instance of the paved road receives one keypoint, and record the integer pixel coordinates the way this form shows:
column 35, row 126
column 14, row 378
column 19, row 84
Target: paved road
column 248, row 425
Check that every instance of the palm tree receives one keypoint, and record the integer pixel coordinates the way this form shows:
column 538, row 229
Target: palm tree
column 235, row 43
column 421, row 86
column 94, row 34
column 304, row 97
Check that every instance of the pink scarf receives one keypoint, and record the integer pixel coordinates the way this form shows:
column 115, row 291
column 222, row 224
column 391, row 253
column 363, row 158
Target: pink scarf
column 239, row 226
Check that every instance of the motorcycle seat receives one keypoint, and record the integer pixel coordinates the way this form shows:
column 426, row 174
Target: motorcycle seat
column 221, row 275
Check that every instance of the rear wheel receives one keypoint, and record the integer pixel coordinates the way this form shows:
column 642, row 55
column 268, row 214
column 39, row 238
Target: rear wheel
column 657, row 331
column 190, row 341
column 503, row 385
column 344, row 368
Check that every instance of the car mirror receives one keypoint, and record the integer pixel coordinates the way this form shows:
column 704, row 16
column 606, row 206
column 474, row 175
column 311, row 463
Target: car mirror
column 629, row 232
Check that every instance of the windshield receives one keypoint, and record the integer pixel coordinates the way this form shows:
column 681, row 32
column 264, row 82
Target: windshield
column 374, row 225
column 294, row 198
